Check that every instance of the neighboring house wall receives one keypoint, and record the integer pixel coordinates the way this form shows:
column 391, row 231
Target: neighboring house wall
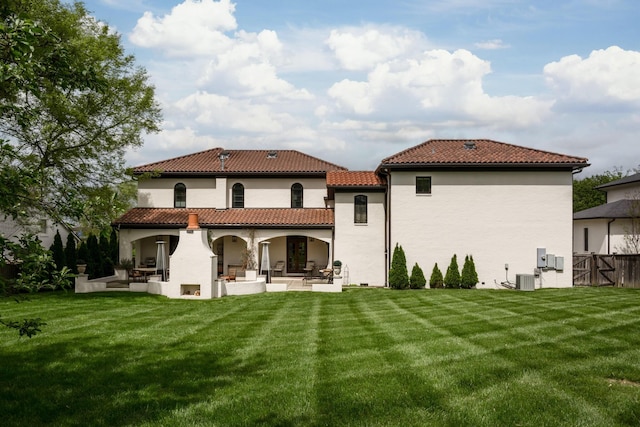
column 44, row 229
column 499, row 217
column 606, row 236
column 361, row 247
column 629, row 191
column 596, row 238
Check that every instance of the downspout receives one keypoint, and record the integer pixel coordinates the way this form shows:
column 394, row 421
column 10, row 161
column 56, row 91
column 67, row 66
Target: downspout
column 609, row 236
column 387, row 233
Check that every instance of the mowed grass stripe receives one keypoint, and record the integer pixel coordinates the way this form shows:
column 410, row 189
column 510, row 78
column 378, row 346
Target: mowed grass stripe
column 363, row 357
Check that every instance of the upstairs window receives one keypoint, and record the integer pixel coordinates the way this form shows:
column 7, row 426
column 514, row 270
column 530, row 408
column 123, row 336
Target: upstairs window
column 423, row 185
column 180, row 196
column 237, row 196
column 296, row 195
column 360, row 209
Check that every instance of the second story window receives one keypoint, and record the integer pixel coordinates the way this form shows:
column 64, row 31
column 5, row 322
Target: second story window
column 360, row 209
column 180, row 196
column 296, row 195
column 237, row 196
column 423, row 185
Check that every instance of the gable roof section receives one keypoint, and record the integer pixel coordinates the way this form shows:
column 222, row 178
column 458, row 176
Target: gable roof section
column 478, row 153
column 227, row 218
column 621, row 209
column 241, row 162
column 631, row 179
column 354, row 180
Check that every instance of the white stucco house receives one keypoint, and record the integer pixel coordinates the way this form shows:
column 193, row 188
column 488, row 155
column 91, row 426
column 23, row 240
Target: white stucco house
column 508, row 206
column 614, row 226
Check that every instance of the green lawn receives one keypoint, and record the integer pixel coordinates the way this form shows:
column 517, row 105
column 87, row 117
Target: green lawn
column 364, row 357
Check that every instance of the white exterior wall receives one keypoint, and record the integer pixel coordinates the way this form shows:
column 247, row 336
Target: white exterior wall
column 498, row 217
column 276, row 192
column 629, row 191
column 217, row 193
column 597, row 236
column 158, row 192
column 361, row 247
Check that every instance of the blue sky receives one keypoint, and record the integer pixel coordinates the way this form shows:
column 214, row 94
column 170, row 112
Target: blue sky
column 355, row 81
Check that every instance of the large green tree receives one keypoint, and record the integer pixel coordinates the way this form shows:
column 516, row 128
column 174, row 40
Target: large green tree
column 71, row 102
column 585, row 194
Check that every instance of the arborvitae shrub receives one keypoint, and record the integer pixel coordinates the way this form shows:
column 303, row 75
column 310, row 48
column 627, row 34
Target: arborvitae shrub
column 452, row 278
column 70, row 254
column 469, row 276
column 398, row 274
column 417, row 280
column 94, row 267
column 106, row 263
column 57, row 251
column 436, row 280
column 114, row 254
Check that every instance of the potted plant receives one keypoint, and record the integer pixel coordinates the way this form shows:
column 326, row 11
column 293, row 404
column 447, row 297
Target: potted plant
column 123, row 268
column 337, row 267
column 249, row 261
column 82, row 265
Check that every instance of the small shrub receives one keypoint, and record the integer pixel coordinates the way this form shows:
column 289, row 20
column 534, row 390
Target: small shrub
column 417, row 280
column 469, row 276
column 436, row 280
column 398, row 274
column 452, row 278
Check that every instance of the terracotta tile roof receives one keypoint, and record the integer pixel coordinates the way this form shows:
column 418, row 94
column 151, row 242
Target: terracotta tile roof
column 354, row 179
column 478, row 152
column 177, row 218
column 241, row 162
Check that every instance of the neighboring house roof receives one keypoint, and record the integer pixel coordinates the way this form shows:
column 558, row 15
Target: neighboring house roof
column 622, row 181
column 354, row 180
column 620, row 209
column 478, row 153
column 227, row 218
column 218, row 161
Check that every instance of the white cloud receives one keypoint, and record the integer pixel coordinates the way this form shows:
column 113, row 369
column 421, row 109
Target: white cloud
column 363, row 48
column 491, row 44
column 213, row 111
column 438, row 83
column 192, row 28
column 607, row 76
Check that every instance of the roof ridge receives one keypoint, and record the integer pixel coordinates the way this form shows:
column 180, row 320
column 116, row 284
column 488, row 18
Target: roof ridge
column 184, row 156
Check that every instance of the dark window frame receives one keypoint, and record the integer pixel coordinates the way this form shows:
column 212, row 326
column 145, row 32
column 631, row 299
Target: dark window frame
column 237, row 195
column 360, row 207
column 586, row 239
column 297, row 195
column 180, row 195
column 423, row 185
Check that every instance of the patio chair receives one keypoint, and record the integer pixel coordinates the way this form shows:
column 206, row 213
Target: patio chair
column 327, row 273
column 278, row 268
column 308, row 269
column 231, row 275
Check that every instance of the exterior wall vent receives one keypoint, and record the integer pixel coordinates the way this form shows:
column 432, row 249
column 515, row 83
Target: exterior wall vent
column 525, row 282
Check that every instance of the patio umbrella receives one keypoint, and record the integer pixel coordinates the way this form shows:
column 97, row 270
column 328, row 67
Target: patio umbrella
column 161, row 267
column 265, row 265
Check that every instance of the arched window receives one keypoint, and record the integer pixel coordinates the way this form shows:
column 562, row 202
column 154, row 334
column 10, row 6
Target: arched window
column 296, row 195
column 237, row 196
column 360, row 209
column 180, row 195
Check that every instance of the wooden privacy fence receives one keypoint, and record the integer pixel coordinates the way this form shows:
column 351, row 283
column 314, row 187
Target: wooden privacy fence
column 606, row 270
